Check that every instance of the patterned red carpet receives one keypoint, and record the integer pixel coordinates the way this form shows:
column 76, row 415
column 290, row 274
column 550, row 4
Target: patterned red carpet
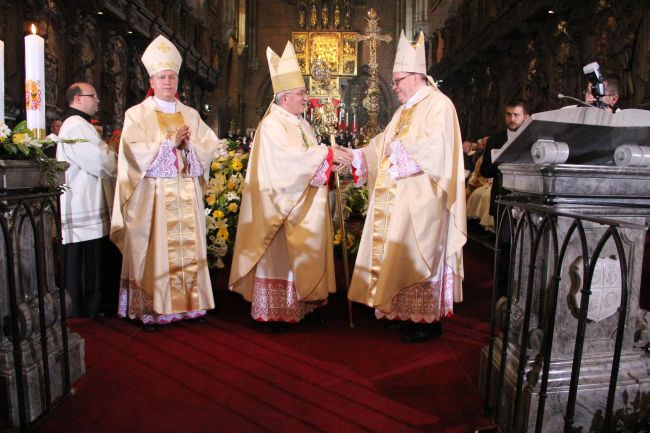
column 231, row 374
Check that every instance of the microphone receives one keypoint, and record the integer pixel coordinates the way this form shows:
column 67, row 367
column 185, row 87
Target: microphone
column 583, row 103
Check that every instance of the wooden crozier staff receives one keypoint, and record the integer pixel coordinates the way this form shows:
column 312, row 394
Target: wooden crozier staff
column 327, row 124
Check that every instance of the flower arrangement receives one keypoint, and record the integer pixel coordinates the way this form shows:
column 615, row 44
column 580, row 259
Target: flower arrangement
column 356, row 205
column 20, row 144
column 222, row 201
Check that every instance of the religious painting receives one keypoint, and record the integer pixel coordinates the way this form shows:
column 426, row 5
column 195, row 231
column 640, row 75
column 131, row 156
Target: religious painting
column 326, row 46
column 302, row 52
column 316, row 90
column 349, row 55
column 337, row 49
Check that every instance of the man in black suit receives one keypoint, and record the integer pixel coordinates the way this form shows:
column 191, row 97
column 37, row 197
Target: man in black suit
column 516, row 113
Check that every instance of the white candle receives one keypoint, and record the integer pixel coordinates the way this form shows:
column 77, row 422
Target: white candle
column 2, row 82
column 347, row 125
column 35, row 83
column 354, row 122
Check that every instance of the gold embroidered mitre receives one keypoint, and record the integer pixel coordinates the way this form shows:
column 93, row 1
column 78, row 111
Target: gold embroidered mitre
column 161, row 55
column 410, row 58
column 285, row 71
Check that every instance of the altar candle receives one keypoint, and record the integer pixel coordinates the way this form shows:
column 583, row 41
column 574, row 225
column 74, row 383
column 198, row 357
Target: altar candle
column 35, row 83
column 354, row 122
column 347, row 124
column 2, row 82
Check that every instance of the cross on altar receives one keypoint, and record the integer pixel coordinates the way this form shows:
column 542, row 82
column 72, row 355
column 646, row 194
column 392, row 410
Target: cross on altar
column 371, row 102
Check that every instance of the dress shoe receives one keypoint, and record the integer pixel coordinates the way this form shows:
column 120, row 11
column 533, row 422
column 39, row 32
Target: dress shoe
column 200, row 319
column 421, row 332
column 396, row 326
column 150, row 327
column 278, row 327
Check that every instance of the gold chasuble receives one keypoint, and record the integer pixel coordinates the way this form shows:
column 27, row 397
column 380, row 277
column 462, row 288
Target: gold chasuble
column 158, row 215
column 410, row 263
column 282, row 261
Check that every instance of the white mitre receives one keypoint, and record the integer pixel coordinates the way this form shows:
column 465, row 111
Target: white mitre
column 410, row 58
column 161, row 55
column 285, row 70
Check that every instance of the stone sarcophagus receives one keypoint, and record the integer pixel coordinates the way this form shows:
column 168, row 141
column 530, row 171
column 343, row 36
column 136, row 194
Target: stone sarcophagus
column 567, row 338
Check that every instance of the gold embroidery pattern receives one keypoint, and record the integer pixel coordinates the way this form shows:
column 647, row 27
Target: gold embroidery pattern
column 404, row 122
column 181, row 243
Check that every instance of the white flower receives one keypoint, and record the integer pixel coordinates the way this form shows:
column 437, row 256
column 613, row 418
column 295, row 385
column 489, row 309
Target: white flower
column 231, row 196
column 5, row 132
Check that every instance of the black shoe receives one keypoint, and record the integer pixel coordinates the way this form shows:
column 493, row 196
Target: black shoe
column 396, row 326
column 200, row 319
column 278, row 327
column 316, row 317
column 423, row 332
column 150, row 328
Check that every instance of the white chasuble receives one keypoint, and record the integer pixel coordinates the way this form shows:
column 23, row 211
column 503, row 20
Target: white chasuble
column 283, row 258
column 158, row 216
column 409, row 264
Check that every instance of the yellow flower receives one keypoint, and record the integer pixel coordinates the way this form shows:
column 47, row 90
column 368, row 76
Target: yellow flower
column 20, row 138
column 223, row 234
column 236, row 165
column 210, row 200
column 232, row 207
column 217, row 214
column 215, row 165
column 231, row 184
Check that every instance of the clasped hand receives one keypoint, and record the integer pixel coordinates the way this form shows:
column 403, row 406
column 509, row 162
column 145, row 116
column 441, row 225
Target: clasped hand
column 182, row 137
column 342, row 157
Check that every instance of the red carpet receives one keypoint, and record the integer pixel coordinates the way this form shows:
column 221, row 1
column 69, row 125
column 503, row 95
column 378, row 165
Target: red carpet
column 230, row 374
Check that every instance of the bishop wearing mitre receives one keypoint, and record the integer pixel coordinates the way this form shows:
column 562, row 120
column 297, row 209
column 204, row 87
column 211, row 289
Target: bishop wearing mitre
column 158, row 219
column 282, row 260
column 410, row 262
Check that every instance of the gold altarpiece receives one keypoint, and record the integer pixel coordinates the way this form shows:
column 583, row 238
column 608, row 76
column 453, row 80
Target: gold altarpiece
column 337, row 49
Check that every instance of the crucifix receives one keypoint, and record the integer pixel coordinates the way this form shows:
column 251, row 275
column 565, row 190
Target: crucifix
column 371, row 101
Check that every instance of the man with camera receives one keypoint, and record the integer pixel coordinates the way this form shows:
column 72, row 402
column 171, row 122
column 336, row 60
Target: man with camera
column 602, row 89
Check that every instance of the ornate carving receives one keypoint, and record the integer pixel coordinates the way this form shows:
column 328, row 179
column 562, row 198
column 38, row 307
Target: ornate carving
column 52, row 72
column 114, row 81
column 86, row 47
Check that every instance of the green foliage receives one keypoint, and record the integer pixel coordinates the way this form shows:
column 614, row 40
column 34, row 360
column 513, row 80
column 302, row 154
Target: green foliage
column 20, row 144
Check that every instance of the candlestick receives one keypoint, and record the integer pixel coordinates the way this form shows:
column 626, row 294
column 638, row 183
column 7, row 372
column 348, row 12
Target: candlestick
column 35, row 83
column 2, row 82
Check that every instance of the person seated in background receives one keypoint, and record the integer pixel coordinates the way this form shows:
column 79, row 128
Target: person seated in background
column 468, row 163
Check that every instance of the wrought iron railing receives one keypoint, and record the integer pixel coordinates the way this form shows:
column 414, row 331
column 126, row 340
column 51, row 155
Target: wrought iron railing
column 34, row 306
column 537, row 265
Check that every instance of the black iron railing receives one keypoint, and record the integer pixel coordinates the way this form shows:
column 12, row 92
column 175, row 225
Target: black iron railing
column 530, row 232
column 26, row 219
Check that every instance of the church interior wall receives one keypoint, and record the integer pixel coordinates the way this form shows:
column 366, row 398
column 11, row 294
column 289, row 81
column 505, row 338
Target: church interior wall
column 493, row 51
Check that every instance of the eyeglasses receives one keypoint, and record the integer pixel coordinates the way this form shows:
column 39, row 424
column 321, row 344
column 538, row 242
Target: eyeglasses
column 94, row 95
column 395, row 83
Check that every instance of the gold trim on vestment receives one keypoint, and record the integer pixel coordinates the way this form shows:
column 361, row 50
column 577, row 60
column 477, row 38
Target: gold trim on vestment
column 181, row 239
column 385, row 188
column 181, row 243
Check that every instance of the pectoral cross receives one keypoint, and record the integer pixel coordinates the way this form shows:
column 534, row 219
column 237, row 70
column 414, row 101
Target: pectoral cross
column 373, row 36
